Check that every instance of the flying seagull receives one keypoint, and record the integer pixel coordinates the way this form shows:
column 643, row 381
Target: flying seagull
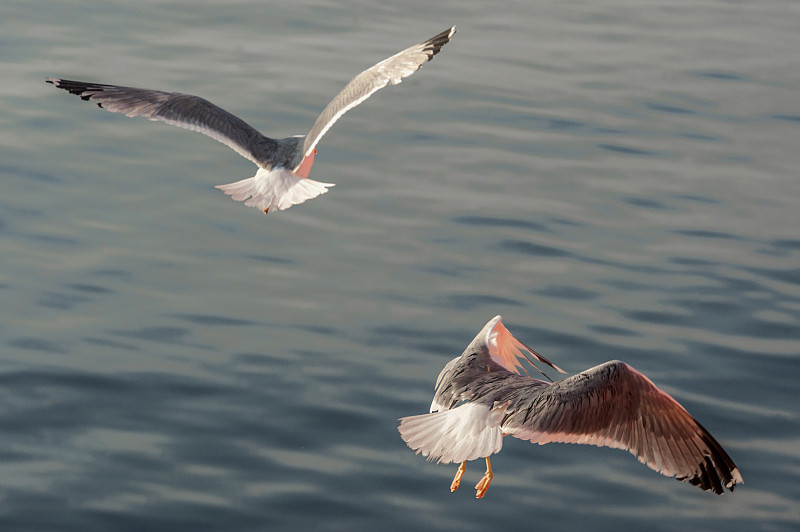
column 283, row 164
column 483, row 396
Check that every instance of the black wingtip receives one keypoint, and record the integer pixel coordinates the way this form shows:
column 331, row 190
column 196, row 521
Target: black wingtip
column 75, row 87
column 436, row 42
column 57, row 82
column 716, row 472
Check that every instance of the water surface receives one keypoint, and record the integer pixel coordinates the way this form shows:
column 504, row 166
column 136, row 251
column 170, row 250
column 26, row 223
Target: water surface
column 618, row 180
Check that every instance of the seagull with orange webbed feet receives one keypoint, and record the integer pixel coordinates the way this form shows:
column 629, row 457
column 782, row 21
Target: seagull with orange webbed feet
column 483, row 396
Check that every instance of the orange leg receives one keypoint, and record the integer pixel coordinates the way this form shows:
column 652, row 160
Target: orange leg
column 483, row 485
column 457, row 478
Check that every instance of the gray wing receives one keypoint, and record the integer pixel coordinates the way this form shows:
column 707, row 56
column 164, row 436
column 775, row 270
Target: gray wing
column 613, row 405
column 182, row 110
column 361, row 87
column 461, row 381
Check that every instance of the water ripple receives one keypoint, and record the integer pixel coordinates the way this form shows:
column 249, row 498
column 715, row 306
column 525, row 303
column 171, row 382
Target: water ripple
column 721, row 76
column 486, row 221
column 167, row 335
column 531, row 248
column 629, row 150
column 209, row 320
column 36, row 344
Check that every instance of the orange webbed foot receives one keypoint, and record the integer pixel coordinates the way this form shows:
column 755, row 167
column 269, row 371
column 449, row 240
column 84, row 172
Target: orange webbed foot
column 457, row 479
column 483, row 484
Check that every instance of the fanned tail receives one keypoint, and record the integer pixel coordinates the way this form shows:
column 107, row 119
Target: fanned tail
column 240, row 190
column 274, row 190
column 467, row 432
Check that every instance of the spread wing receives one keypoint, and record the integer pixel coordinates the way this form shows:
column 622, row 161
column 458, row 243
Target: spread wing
column 613, row 405
column 509, row 352
column 361, row 87
column 182, row 110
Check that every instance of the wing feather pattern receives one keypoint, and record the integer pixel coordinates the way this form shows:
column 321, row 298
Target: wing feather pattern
column 467, row 432
column 509, row 352
column 361, row 87
column 613, row 405
column 182, row 110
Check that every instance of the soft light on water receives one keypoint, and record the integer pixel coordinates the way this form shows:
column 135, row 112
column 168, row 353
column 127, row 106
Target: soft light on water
column 618, row 179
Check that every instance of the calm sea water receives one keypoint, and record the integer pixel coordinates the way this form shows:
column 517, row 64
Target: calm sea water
column 618, row 179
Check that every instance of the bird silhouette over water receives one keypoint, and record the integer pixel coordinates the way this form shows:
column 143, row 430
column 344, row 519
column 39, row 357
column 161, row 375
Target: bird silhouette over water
column 283, row 164
column 483, row 395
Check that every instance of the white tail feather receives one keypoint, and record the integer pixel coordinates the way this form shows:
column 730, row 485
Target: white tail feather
column 274, row 190
column 467, row 432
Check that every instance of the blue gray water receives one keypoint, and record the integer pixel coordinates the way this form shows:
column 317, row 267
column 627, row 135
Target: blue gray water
column 618, row 179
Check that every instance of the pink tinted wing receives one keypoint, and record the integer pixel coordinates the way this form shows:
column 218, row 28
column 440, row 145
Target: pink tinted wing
column 509, row 352
column 613, row 405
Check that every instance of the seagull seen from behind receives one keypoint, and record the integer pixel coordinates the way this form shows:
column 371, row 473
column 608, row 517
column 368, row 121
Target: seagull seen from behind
column 283, row 164
column 483, row 395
